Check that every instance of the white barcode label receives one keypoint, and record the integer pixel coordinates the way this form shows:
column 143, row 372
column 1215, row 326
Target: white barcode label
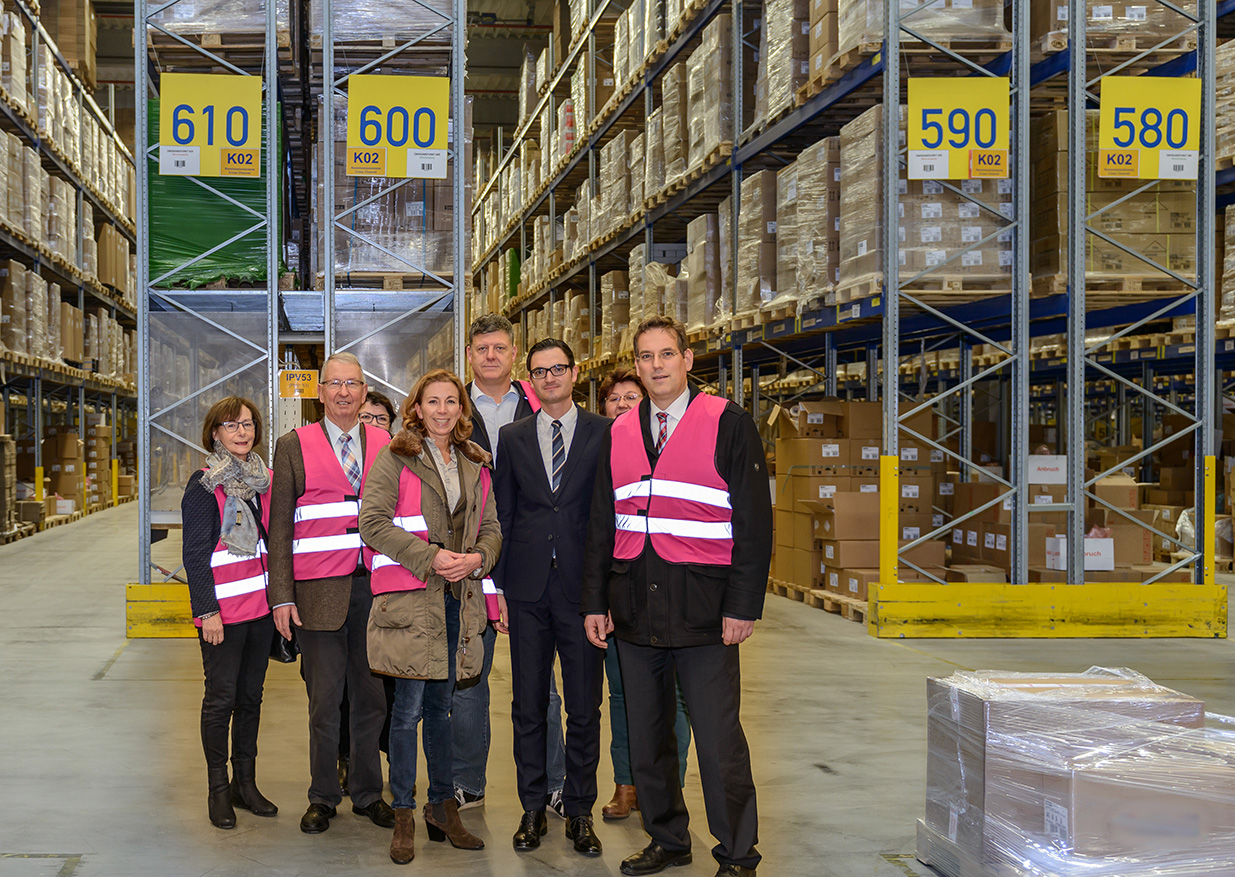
column 958, row 535
column 1001, row 542
column 827, row 491
column 1043, row 500
column 936, row 456
column 829, row 551
column 771, row 228
column 1005, row 259
column 1055, row 818
column 834, row 579
column 972, row 259
column 928, row 165
column 1103, row 13
column 911, row 532
column 971, row 538
column 930, row 187
column 988, row 540
column 868, row 488
column 1003, row 187
column 180, row 161
column 426, row 164
column 932, row 210
column 831, row 450
column 1134, row 13
column 931, row 234
column 861, row 248
column 1061, row 13
column 853, row 584
column 971, row 234
column 968, row 211
column 870, row 452
column 935, row 258
column 909, row 491
column 909, row 454
column 947, row 489
column 1177, row 164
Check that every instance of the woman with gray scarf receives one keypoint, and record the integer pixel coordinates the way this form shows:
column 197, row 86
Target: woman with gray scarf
column 224, row 513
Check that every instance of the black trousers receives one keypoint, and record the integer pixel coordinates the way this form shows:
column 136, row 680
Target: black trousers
column 712, row 687
column 538, row 630
column 235, row 674
column 332, row 658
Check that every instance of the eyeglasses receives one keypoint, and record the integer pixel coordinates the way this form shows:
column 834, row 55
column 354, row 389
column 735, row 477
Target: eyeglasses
column 629, row 397
column 232, row 426
column 339, row 385
column 379, row 419
column 667, row 356
column 556, row 370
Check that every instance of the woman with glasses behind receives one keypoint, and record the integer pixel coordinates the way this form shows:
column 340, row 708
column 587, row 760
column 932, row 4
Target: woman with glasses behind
column 225, row 512
column 620, row 392
column 378, row 410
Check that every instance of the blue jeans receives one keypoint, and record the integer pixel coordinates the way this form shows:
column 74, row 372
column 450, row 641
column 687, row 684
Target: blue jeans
column 619, row 748
column 469, row 730
column 428, row 699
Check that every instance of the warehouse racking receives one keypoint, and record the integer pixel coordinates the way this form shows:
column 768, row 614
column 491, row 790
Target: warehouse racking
column 67, row 303
column 1134, row 333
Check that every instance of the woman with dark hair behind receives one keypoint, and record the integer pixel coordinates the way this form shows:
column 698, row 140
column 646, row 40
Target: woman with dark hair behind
column 224, row 512
column 431, row 528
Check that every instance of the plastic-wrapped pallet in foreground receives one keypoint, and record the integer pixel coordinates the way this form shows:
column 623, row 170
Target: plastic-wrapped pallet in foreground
column 860, row 22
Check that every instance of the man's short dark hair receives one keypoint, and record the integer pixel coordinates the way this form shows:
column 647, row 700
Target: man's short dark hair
column 669, row 324
column 551, row 344
column 486, row 323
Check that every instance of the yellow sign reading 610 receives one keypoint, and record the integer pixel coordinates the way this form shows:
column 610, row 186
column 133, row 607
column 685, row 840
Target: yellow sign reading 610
column 398, row 126
column 210, row 125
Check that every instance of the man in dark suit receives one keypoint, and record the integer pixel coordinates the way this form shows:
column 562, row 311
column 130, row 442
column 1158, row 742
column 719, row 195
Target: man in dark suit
column 318, row 584
column 543, row 491
column 679, row 542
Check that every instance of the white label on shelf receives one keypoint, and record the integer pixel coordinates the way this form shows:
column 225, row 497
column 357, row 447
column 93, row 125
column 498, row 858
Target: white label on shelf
column 1103, row 13
column 932, row 210
column 988, row 540
column 930, row 187
column 1005, row 236
column 836, row 174
column 936, row 520
column 970, row 187
column 827, row 491
column 1007, row 503
column 1177, row 164
column 1043, row 500
column 1005, row 258
column 972, row 259
column 1006, row 209
column 868, row 488
column 772, row 227
column 806, row 28
column 1003, row 187
column 836, row 223
column 1048, row 469
column 909, row 491
column 971, row 234
column 428, row 164
column 936, row 455
column 931, row 234
column 1001, row 542
column 829, row 551
column 1134, row 13
column 958, row 535
column 870, row 452
column 861, row 248
column 935, row 258
column 927, row 164
column 911, row 532
column 831, row 450
column 902, row 186
column 968, row 211
column 1055, row 818
column 971, row 538
column 1061, row 12
column 947, row 489
column 180, row 161
column 909, row 454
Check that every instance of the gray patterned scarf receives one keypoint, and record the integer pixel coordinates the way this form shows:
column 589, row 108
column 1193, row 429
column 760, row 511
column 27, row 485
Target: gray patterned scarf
column 241, row 482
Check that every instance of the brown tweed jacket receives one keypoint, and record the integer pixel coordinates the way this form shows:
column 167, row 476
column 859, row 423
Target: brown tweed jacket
column 322, row 603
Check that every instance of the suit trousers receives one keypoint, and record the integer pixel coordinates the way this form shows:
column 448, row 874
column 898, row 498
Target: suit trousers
column 538, row 630
column 711, row 682
column 331, row 659
column 235, row 673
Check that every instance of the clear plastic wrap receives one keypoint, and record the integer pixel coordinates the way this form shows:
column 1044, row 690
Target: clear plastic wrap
column 1224, row 99
column 366, row 20
column 653, row 26
column 614, row 182
column 234, row 16
column 548, row 136
column 1227, row 310
column 860, row 22
column 614, row 312
column 675, row 98
column 818, row 220
column 702, row 269
column 756, row 268
column 710, row 92
column 542, row 69
column 659, row 289
column 621, row 49
column 34, row 203
column 16, row 181
column 55, row 348
column 635, row 265
column 1107, row 19
column 527, row 84
column 15, row 80
column 635, row 53
column 636, row 161
column 788, row 199
column 724, row 307
column 13, row 306
column 654, row 162
column 36, row 316
column 583, row 203
column 784, row 57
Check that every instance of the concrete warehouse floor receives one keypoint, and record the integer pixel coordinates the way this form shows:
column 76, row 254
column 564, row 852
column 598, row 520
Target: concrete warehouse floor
column 103, row 776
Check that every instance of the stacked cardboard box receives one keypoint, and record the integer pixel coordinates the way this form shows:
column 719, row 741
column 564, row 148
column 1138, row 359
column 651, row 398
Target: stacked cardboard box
column 710, row 92
column 64, row 465
column 824, row 37
column 756, row 267
column 97, row 452
column 702, row 268
column 675, row 98
column 784, row 57
column 8, row 482
column 861, row 21
column 73, row 27
column 817, row 232
column 614, row 313
column 1108, row 24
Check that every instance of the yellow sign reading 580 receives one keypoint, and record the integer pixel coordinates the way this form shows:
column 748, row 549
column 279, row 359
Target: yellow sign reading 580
column 398, row 126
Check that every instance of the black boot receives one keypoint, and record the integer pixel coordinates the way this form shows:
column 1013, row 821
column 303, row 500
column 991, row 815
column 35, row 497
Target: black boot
column 220, row 802
column 244, row 790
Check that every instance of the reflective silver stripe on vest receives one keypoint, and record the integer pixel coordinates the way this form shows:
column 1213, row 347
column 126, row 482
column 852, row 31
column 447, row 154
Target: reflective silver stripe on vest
column 381, row 560
column 241, row 587
column 676, row 527
column 673, row 490
column 488, row 586
column 348, row 508
column 314, row 544
column 412, row 523
column 224, row 557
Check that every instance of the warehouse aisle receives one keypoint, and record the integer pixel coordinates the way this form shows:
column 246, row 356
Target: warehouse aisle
column 103, row 771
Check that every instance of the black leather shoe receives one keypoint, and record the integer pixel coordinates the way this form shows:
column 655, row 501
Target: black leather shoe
column 653, row 859
column 378, row 812
column 580, row 830
column 316, row 819
column 731, row 870
column 532, row 827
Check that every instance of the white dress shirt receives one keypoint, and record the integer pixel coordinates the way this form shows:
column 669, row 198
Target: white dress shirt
column 544, row 436
column 335, row 433
column 495, row 414
column 676, row 411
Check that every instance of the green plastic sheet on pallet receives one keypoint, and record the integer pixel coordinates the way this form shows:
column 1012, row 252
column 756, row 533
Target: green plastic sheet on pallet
column 187, row 220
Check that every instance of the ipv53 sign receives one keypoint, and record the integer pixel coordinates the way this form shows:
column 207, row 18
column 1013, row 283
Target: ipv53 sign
column 210, row 125
column 958, row 128
column 398, row 126
column 1149, row 127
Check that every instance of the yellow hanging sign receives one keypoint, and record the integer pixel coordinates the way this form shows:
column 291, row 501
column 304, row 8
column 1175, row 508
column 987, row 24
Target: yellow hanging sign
column 297, row 385
column 958, row 128
column 398, row 126
column 210, row 125
column 1149, row 127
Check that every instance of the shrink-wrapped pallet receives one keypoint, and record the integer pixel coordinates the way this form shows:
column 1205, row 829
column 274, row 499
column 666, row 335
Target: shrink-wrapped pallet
column 702, row 268
column 14, row 65
column 13, row 306
column 756, row 268
column 583, row 203
column 614, row 181
column 658, row 280
column 860, row 22
column 635, row 53
column 788, row 199
column 653, row 26
column 35, row 183
column 636, row 161
column 527, row 84
column 635, row 265
column 233, row 16
column 818, row 220
column 724, row 302
column 1227, row 311
column 621, row 49
column 55, row 347
column 710, row 92
column 1224, row 100
column 784, row 57
column 367, row 20
column 675, row 98
column 654, row 161
column 36, row 316
column 570, row 234
column 547, row 137
column 614, row 311
column 1108, row 24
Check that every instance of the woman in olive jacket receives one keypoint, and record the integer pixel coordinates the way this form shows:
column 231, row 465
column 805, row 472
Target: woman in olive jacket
column 429, row 609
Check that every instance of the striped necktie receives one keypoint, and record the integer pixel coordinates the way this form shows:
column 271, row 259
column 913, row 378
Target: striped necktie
column 559, row 455
column 664, row 430
column 350, row 467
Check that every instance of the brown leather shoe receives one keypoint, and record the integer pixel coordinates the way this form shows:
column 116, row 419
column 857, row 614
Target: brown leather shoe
column 442, row 821
column 403, row 844
column 624, row 800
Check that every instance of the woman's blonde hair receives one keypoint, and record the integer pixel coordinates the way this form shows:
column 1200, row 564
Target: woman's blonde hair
column 411, row 420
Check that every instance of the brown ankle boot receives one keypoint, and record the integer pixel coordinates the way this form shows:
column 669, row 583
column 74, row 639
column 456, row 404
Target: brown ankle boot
column 624, row 800
column 442, row 821
column 403, row 844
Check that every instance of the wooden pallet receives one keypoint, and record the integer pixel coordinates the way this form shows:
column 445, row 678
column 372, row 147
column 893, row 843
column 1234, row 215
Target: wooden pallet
column 20, row 530
column 871, row 44
column 57, row 520
column 391, row 281
column 244, row 49
column 1223, row 162
column 846, row 607
column 720, row 154
column 1057, row 41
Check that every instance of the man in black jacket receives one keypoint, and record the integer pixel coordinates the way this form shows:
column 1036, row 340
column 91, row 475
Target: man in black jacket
column 676, row 568
column 543, row 489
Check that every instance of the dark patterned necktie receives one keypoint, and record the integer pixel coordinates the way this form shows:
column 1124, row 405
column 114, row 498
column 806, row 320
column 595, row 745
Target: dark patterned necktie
column 664, row 431
column 559, row 455
column 350, row 467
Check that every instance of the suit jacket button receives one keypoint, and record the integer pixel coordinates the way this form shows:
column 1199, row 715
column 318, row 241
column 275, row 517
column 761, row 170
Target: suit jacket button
column 550, row 537
column 555, row 508
column 654, row 640
column 652, row 587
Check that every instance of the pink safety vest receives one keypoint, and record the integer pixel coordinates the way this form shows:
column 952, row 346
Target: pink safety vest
column 390, row 575
column 240, row 580
column 325, row 534
column 682, row 506
column 532, row 398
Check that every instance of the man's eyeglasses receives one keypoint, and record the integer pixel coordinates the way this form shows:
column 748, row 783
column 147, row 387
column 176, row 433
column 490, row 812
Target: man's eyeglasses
column 556, row 370
column 232, row 426
column 378, row 419
column 629, row 397
column 339, row 385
